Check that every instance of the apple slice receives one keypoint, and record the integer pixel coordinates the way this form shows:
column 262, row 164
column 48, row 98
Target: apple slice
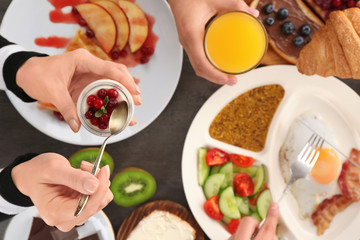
column 120, row 19
column 101, row 23
column 138, row 24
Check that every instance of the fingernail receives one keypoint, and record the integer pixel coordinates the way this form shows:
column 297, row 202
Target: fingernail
column 74, row 125
column 138, row 100
column 231, row 82
column 274, row 207
column 86, row 164
column 138, row 89
column 107, row 170
column 90, row 185
column 254, row 11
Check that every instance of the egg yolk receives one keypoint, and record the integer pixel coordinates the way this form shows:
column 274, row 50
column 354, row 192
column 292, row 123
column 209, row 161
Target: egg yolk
column 327, row 166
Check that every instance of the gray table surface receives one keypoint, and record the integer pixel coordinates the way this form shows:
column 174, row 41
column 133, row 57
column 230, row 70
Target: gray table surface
column 157, row 149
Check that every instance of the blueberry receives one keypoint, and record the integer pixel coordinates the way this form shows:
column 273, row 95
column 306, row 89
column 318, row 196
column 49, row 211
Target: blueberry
column 268, row 8
column 287, row 28
column 282, row 13
column 269, row 21
column 298, row 41
column 305, row 30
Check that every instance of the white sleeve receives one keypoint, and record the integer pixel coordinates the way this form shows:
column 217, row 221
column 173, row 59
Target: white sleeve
column 5, row 52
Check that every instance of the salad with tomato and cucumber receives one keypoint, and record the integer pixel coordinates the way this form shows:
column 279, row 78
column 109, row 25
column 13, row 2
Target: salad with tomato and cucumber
column 234, row 186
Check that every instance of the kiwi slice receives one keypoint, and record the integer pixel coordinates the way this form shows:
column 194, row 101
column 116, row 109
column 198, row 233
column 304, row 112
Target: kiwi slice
column 90, row 154
column 132, row 186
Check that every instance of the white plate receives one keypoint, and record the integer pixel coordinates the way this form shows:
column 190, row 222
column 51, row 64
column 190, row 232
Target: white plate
column 331, row 98
column 26, row 20
column 98, row 223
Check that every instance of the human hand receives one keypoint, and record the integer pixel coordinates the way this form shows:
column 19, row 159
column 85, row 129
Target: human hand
column 55, row 187
column 59, row 80
column 191, row 17
column 248, row 226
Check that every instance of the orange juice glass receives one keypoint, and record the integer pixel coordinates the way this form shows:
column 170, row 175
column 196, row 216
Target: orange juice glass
column 235, row 42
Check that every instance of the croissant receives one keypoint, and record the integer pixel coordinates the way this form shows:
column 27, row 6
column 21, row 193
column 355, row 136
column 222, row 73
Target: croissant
column 334, row 49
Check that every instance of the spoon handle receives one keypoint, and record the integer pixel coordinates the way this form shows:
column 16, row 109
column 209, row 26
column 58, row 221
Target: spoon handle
column 84, row 198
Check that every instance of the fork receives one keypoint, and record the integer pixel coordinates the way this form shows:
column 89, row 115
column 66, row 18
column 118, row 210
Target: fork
column 301, row 167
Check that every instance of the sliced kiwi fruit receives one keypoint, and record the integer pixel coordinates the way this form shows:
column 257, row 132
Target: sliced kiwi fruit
column 89, row 155
column 132, row 186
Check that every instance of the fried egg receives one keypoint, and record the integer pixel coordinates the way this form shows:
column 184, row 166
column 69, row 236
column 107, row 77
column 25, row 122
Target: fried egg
column 321, row 182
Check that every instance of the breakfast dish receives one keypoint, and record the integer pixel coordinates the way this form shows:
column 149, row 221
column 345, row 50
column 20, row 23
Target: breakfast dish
column 174, row 219
column 98, row 224
column 289, row 24
column 303, row 95
column 333, row 49
column 23, row 15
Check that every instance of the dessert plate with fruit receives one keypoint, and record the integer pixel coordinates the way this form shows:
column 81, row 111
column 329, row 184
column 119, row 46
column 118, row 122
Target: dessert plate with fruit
column 67, row 25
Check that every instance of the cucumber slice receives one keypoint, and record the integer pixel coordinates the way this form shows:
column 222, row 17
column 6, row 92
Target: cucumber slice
column 227, row 169
column 263, row 202
column 251, row 171
column 227, row 203
column 252, row 208
column 214, row 169
column 243, row 205
column 256, row 216
column 259, row 180
column 203, row 168
column 212, row 184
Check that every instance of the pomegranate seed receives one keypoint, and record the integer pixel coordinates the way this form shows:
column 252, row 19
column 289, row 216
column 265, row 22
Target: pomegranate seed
column 89, row 114
column 90, row 33
column 147, row 51
column 358, row 4
column 351, row 3
column 144, row 59
column 103, row 125
column 74, row 11
column 104, row 118
column 82, row 22
column 59, row 115
column 112, row 103
column 112, row 93
column 336, row 3
column 98, row 103
column 94, row 121
column 123, row 53
column 115, row 55
column 90, row 100
column 102, row 93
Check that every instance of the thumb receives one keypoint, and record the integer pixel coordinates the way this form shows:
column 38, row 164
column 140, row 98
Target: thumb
column 271, row 218
column 76, row 179
column 67, row 108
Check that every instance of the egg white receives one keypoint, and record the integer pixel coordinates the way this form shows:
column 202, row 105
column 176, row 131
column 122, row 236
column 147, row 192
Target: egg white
column 306, row 191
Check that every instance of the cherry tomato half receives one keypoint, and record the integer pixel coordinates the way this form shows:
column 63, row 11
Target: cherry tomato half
column 241, row 160
column 233, row 225
column 243, row 184
column 211, row 208
column 216, row 157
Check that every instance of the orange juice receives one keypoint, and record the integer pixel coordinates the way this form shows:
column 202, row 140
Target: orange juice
column 235, row 42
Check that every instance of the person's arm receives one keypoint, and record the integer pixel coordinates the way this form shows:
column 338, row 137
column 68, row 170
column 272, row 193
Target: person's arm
column 12, row 57
column 12, row 201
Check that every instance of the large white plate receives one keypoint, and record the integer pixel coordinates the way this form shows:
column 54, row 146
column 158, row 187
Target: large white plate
column 26, row 20
column 331, row 98
column 20, row 226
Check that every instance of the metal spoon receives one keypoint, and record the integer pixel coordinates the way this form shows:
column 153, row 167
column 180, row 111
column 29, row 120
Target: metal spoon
column 117, row 124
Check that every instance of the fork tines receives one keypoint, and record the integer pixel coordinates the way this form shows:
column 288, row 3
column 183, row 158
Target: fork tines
column 310, row 153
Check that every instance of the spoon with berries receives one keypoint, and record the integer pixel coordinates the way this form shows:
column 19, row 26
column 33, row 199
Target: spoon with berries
column 117, row 124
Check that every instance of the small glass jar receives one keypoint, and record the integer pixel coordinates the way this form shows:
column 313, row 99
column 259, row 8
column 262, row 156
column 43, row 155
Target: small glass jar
column 92, row 89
